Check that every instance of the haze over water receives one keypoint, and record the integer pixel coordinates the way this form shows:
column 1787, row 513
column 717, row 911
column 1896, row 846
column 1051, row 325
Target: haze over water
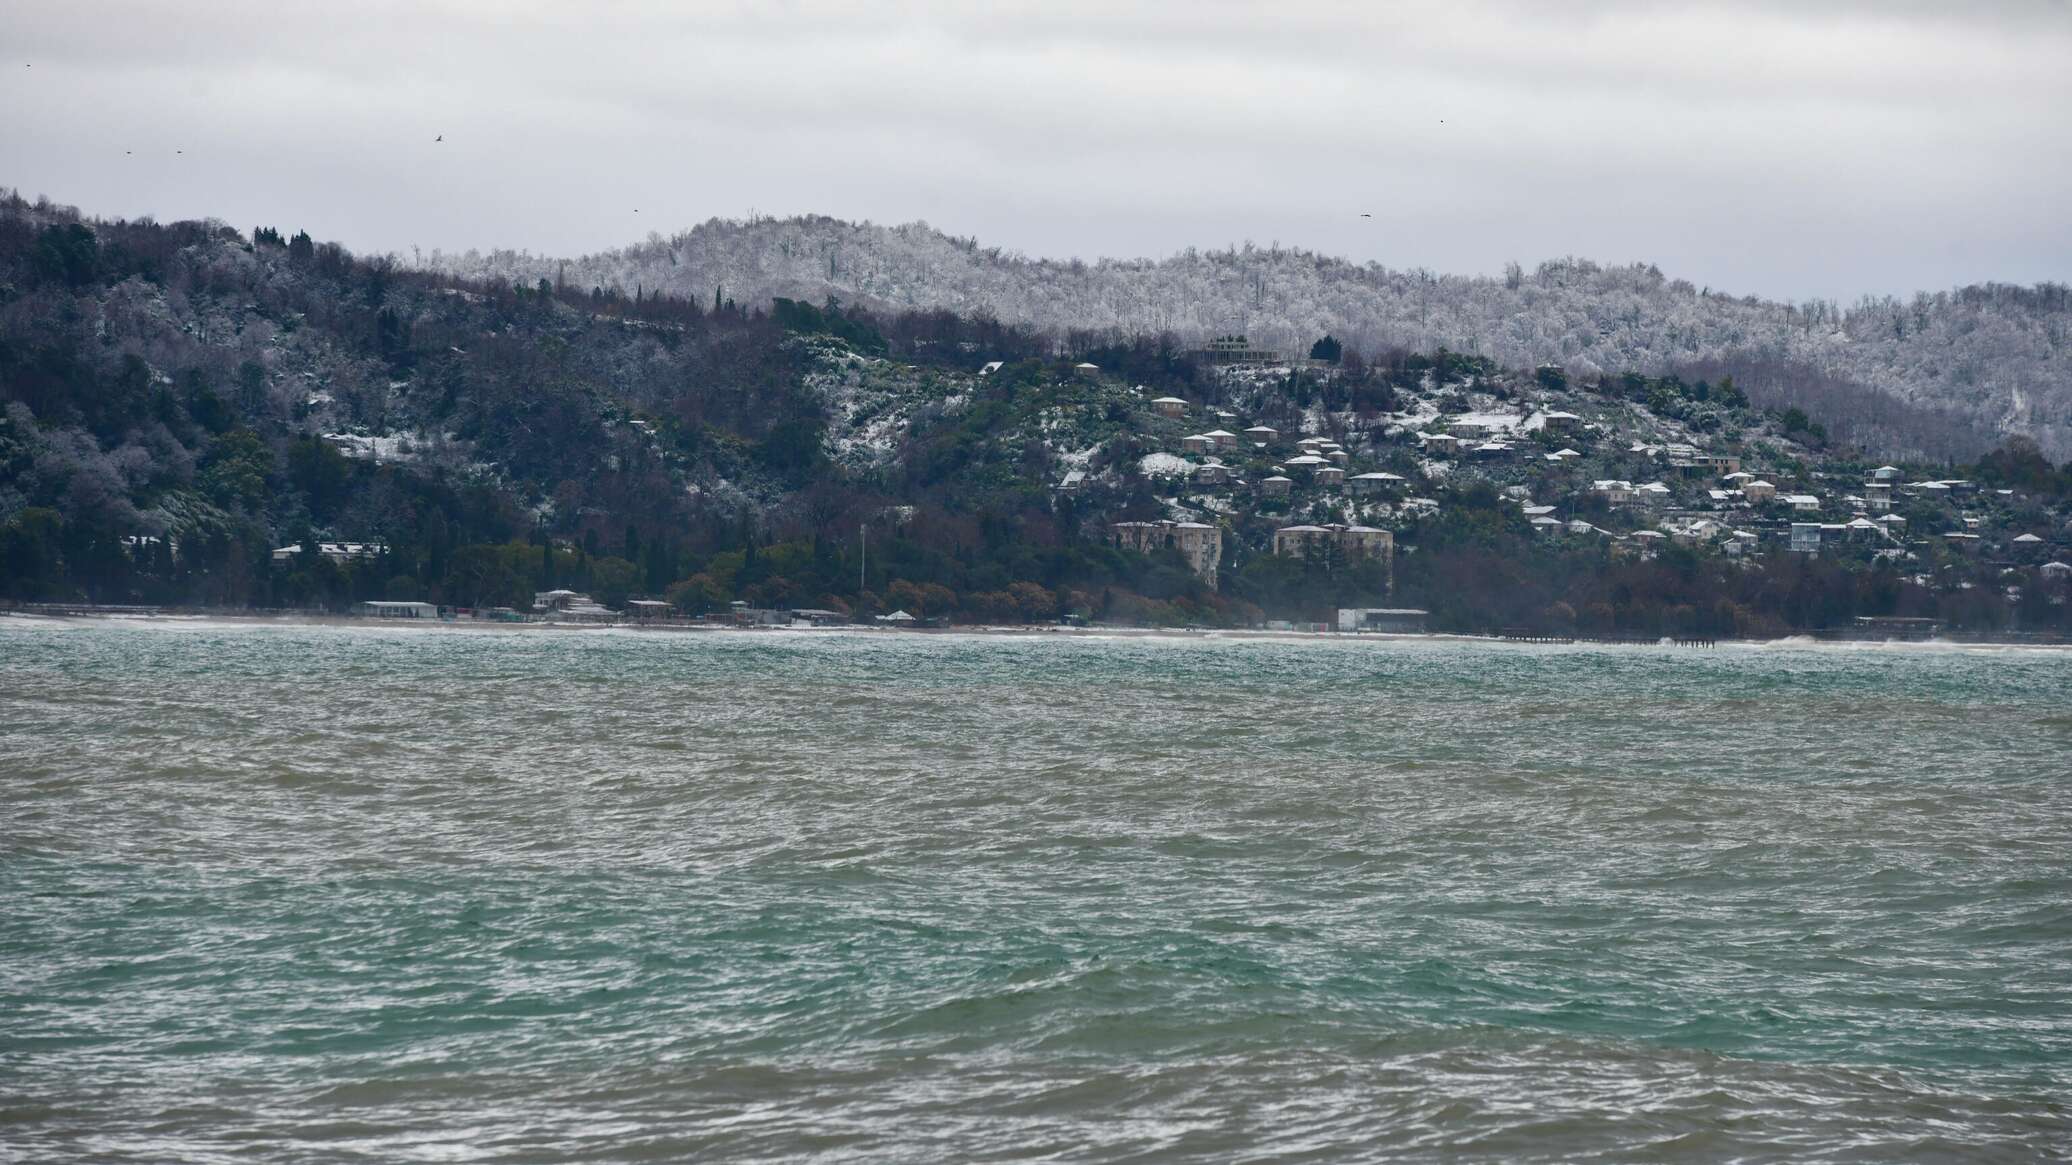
column 329, row 894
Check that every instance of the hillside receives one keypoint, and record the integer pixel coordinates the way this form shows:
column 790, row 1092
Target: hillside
column 1939, row 375
column 199, row 416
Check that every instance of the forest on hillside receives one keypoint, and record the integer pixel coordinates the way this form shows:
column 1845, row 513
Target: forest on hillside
column 190, row 411
column 1943, row 374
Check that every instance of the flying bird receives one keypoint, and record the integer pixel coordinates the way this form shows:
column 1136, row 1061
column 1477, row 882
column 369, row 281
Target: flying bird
column 440, row 138
column 1365, row 215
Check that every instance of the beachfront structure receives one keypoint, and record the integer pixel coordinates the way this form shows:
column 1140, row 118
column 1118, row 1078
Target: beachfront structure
column 1396, row 620
column 1200, row 544
column 645, row 610
column 571, row 607
column 382, row 609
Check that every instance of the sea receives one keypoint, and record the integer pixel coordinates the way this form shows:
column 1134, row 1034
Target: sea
column 297, row 893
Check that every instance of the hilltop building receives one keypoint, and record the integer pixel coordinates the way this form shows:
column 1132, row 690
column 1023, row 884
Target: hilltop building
column 1234, row 350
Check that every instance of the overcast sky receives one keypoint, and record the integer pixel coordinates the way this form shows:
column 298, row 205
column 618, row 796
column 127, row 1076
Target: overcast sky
column 1754, row 147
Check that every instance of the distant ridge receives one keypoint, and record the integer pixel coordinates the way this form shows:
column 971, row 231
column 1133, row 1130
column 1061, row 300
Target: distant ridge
column 1943, row 374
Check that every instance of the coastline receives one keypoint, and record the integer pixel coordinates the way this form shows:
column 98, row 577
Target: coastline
column 176, row 618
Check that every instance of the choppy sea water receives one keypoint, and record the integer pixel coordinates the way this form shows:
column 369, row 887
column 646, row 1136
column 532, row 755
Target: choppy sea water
column 343, row 894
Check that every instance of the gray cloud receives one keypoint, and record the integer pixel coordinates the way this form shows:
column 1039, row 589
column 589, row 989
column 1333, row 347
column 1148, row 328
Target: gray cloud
column 1755, row 147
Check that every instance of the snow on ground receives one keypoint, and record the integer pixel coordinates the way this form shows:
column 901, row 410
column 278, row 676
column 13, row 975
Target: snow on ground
column 400, row 447
column 1163, row 465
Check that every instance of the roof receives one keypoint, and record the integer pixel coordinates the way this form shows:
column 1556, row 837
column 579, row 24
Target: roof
column 1264, row 429
column 1219, row 433
column 1378, row 477
column 1164, row 400
column 1278, row 477
column 2027, row 538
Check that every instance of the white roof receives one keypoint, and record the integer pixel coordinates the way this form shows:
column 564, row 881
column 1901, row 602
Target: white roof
column 1278, row 477
column 1654, row 487
column 1378, row 477
column 1257, row 429
column 1739, row 476
column 2027, row 538
column 1306, row 459
column 1219, row 433
column 1753, row 484
column 1802, row 499
column 1164, row 400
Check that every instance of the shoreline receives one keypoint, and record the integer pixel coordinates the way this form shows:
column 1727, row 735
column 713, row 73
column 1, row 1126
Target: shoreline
column 999, row 631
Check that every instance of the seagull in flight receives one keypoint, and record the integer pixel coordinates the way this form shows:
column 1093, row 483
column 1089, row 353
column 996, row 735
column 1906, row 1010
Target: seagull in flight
column 1363, row 214
column 440, row 138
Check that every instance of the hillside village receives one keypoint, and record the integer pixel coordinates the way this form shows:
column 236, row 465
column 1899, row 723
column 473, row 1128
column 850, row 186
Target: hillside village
column 1577, row 467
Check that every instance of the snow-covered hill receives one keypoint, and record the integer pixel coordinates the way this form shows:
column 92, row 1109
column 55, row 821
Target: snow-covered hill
column 1977, row 362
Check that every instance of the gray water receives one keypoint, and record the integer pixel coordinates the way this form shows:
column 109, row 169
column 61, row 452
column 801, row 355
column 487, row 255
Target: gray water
column 347, row 894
